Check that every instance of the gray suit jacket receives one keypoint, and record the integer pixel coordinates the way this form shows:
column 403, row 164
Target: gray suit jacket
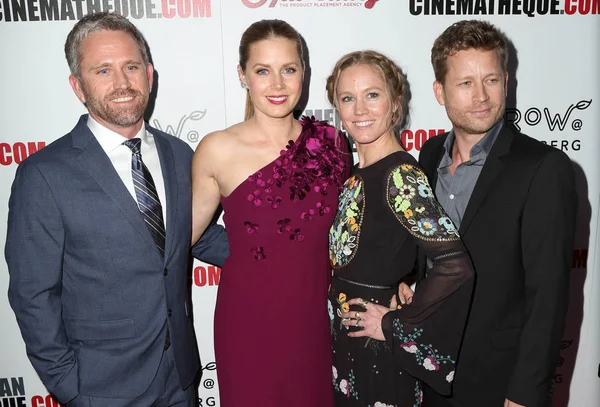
column 90, row 291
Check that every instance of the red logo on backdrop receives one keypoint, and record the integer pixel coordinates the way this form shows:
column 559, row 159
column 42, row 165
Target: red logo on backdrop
column 582, row 7
column 44, row 401
column 369, row 4
column 529, row 8
column 185, row 9
column 17, row 152
column 414, row 139
column 209, row 275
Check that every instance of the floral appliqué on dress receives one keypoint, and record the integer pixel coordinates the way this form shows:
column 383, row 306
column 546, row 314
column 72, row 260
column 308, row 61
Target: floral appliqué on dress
column 412, row 201
column 344, row 385
column 314, row 163
column 345, row 230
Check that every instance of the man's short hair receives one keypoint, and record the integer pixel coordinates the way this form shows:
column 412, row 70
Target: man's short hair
column 99, row 22
column 464, row 35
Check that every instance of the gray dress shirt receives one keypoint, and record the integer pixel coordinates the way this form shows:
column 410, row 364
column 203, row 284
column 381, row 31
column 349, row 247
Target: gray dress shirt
column 454, row 192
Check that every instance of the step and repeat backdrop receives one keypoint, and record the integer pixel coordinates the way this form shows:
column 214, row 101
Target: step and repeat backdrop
column 554, row 96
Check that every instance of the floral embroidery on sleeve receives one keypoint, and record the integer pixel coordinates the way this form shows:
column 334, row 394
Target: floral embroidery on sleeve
column 345, row 230
column 411, row 200
column 418, row 394
column 426, row 355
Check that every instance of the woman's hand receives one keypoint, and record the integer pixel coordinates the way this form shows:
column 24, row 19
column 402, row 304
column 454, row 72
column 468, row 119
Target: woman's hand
column 369, row 320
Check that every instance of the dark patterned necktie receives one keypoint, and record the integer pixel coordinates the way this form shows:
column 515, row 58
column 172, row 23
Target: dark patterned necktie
column 147, row 197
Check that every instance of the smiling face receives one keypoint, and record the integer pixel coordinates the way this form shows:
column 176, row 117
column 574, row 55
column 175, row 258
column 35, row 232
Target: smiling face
column 473, row 92
column 115, row 84
column 364, row 104
column 273, row 76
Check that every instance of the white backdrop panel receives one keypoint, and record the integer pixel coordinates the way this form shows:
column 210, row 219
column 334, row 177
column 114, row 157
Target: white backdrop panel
column 555, row 87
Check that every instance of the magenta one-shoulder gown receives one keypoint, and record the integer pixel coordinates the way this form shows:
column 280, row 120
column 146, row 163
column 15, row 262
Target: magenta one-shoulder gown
column 272, row 331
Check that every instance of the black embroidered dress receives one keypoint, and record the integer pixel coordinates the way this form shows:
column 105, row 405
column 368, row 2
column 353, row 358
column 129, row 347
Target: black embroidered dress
column 386, row 212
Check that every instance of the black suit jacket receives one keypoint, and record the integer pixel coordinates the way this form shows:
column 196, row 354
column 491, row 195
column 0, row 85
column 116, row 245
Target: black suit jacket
column 518, row 228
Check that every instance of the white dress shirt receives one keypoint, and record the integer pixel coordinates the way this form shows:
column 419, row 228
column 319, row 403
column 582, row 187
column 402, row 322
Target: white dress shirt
column 120, row 157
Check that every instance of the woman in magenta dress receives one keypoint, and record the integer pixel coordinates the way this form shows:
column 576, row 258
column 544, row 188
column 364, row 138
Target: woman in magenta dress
column 278, row 180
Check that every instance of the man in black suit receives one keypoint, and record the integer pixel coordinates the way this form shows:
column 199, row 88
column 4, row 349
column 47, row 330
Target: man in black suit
column 513, row 199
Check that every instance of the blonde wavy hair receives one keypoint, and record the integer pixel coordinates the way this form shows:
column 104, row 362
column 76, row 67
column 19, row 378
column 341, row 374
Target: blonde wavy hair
column 392, row 75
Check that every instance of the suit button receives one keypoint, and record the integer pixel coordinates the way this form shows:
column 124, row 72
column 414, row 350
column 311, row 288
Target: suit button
column 165, row 272
column 169, row 312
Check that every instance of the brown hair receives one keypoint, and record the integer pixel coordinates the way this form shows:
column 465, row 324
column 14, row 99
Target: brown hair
column 390, row 72
column 265, row 30
column 463, row 35
column 99, row 22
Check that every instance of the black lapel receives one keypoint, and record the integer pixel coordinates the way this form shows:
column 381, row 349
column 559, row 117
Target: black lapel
column 491, row 169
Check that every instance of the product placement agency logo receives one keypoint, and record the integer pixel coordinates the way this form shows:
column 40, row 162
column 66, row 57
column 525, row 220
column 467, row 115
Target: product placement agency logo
column 368, row 4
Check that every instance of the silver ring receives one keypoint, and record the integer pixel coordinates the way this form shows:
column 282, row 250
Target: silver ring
column 357, row 316
column 358, row 323
column 363, row 303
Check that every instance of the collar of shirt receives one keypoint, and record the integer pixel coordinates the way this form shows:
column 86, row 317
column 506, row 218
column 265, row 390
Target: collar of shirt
column 479, row 151
column 110, row 141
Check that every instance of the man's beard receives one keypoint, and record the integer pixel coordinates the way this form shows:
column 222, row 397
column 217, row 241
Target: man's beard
column 122, row 117
column 470, row 125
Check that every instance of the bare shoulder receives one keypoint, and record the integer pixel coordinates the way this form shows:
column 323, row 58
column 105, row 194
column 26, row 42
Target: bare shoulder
column 217, row 143
column 220, row 149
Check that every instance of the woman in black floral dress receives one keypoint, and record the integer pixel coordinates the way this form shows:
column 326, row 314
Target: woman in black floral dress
column 386, row 213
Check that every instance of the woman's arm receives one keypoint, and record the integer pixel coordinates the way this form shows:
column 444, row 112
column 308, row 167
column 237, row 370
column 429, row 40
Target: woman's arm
column 205, row 189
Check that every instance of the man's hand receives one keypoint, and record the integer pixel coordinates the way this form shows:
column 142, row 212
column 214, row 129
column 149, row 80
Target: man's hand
column 404, row 293
column 508, row 403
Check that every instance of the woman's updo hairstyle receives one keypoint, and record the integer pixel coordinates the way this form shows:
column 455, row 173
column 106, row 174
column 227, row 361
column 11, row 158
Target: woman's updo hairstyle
column 265, row 30
column 391, row 74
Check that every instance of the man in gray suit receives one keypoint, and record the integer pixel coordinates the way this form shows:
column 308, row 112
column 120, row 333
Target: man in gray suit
column 98, row 244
